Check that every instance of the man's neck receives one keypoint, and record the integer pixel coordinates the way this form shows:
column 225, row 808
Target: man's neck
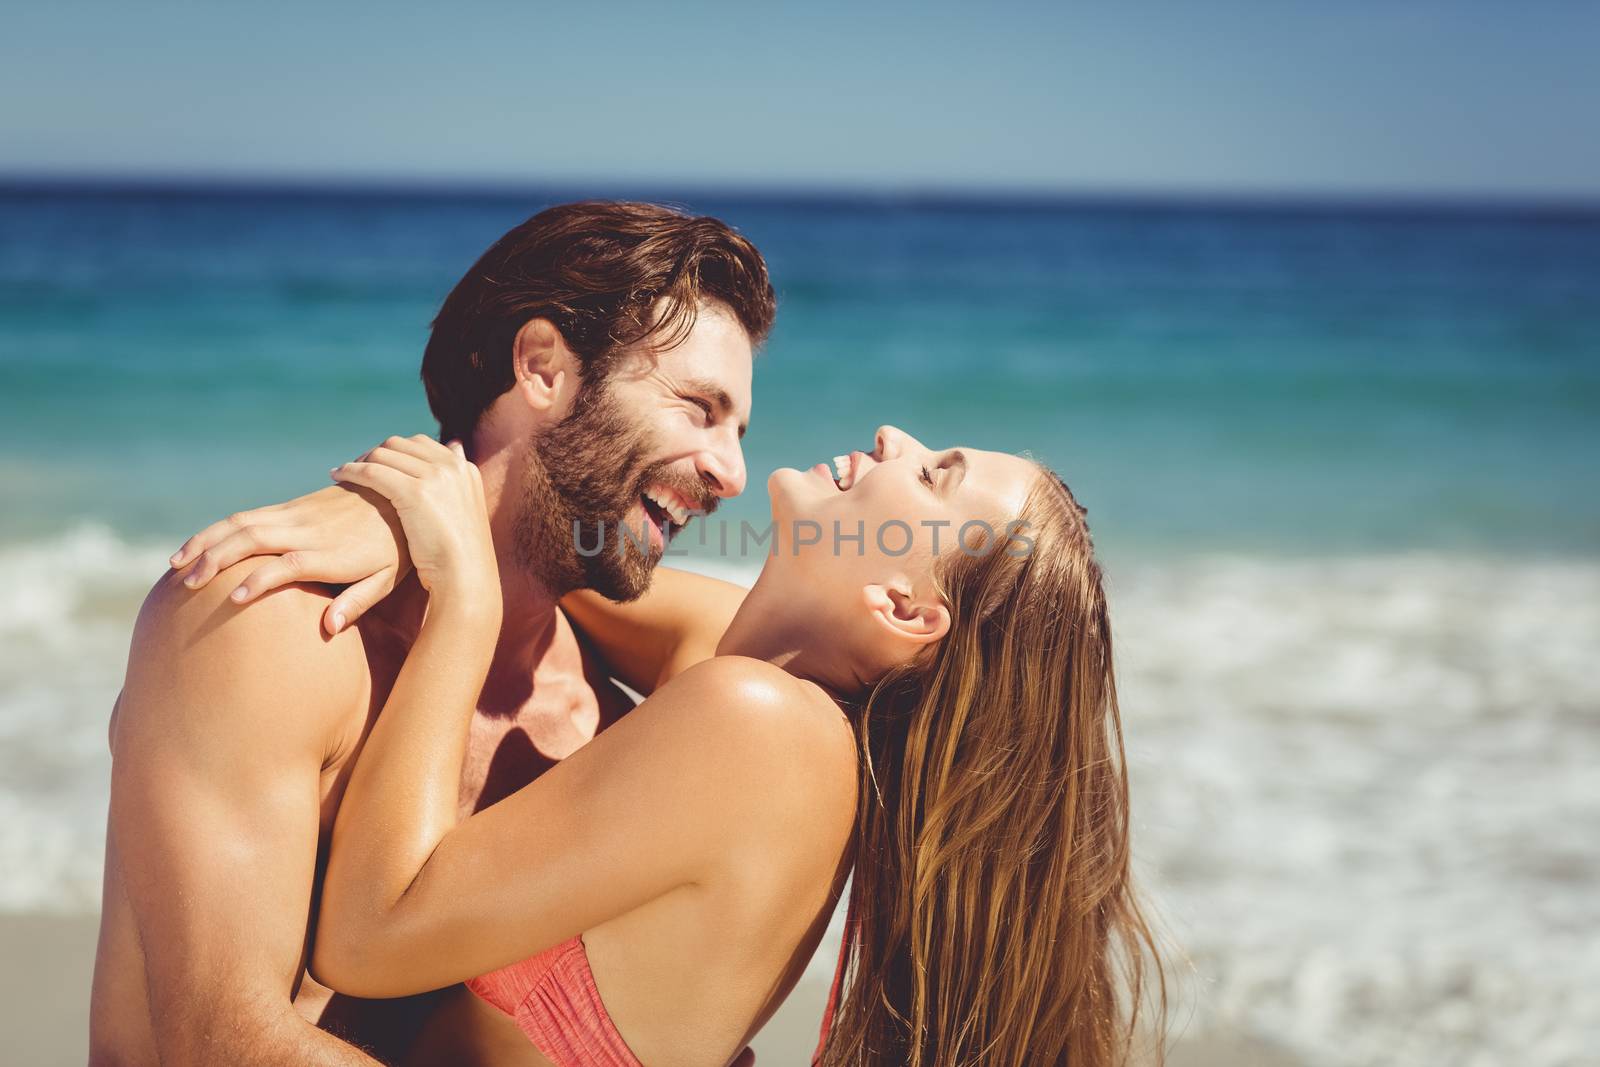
column 528, row 615
column 528, row 608
column 530, row 622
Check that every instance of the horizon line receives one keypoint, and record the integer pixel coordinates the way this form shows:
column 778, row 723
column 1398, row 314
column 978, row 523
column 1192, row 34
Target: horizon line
column 907, row 194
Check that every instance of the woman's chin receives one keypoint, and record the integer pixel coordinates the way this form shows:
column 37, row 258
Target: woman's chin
column 800, row 497
column 785, row 488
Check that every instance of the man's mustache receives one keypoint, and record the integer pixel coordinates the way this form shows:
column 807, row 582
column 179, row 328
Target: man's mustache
column 702, row 501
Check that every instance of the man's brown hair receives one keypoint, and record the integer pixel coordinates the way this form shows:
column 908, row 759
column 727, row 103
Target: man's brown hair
column 596, row 269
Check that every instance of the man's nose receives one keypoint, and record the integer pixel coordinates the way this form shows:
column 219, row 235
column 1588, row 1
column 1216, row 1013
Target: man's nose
column 722, row 469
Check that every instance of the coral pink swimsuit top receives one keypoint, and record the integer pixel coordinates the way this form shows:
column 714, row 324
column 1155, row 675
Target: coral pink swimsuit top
column 553, row 1000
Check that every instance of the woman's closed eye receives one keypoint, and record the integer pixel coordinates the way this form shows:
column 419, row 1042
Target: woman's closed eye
column 927, row 477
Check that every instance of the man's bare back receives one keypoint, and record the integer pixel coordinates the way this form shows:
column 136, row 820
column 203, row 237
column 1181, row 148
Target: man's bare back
column 233, row 739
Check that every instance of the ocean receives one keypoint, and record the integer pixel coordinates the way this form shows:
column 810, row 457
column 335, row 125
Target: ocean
column 1340, row 460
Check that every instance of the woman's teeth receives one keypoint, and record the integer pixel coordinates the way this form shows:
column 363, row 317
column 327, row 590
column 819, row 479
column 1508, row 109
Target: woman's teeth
column 841, row 469
column 669, row 504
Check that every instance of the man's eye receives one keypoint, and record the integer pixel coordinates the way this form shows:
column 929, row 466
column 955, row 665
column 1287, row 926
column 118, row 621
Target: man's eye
column 703, row 405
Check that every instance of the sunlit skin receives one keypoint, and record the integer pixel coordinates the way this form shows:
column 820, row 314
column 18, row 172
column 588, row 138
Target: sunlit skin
column 695, row 399
column 730, row 791
column 845, row 615
column 219, row 807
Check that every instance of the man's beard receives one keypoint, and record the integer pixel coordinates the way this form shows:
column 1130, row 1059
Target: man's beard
column 583, row 476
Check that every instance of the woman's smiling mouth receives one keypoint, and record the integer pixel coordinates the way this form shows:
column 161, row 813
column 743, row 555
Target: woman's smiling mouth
column 846, row 469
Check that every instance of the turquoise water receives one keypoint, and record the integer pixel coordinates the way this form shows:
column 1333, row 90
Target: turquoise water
column 1207, row 379
column 1343, row 465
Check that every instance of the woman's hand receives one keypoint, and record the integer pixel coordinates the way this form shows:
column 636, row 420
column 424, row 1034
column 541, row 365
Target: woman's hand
column 341, row 535
column 438, row 496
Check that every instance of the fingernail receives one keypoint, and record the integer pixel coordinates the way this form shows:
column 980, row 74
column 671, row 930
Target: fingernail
column 338, row 621
column 238, row 595
column 190, row 579
column 174, row 558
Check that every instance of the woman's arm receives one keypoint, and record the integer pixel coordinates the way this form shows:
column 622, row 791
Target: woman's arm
column 664, row 799
column 672, row 796
column 651, row 640
column 349, row 535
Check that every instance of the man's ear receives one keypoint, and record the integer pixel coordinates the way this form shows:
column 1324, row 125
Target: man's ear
column 906, row 616
column 545, row 368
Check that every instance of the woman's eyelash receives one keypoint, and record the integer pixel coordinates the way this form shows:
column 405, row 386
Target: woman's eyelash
column 927, row 476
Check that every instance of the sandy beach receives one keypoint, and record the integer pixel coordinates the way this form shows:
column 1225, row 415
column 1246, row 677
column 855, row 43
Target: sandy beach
column 47, row 961
column 46, row 965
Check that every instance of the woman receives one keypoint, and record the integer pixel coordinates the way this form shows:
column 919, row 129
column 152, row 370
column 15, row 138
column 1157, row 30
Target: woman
column 942, row 719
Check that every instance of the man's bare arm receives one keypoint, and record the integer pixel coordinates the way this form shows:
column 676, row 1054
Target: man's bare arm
column 651, row 640
column 223, row 728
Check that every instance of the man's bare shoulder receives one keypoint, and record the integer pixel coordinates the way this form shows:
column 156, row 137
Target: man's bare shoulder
column 170, row 602
column 199, row 662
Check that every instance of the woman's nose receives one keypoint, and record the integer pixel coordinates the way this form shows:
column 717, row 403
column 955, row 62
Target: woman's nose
column 889, row 442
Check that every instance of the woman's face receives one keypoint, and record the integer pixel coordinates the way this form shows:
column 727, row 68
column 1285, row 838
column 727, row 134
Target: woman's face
column 890, row 513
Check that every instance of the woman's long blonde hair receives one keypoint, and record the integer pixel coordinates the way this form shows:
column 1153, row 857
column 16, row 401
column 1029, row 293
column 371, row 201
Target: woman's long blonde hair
column 994, row 920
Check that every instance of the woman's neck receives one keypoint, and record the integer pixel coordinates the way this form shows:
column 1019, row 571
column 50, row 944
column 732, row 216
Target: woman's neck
column 787, row 628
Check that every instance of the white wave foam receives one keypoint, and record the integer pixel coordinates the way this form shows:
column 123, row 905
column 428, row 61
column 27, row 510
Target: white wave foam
column 1364, row 789
column 66, row 611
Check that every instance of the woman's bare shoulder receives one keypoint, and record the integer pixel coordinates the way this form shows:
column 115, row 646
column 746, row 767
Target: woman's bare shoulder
column 751, row 693
column 762, row 724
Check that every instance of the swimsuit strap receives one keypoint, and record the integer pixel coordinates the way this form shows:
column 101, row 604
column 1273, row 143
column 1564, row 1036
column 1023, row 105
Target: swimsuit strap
column 838, row 979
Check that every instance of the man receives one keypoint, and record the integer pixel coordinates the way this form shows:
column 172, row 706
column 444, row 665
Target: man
column 596, row 362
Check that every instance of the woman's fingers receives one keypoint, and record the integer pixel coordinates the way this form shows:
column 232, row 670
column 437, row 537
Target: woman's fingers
column 285, row 570
column 212, row 534
column 401, row 461
column 421, row 446
column 344, row 609
column 378, row 477
column 354, row 602
column 242, row 543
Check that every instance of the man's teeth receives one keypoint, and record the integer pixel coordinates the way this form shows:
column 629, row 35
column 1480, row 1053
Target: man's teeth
column 669, row 504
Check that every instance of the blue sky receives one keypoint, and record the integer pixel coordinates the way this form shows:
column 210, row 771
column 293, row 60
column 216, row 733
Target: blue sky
column 1469, row 98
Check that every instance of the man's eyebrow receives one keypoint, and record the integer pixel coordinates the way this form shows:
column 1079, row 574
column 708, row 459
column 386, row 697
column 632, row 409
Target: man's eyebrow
column 717, row 395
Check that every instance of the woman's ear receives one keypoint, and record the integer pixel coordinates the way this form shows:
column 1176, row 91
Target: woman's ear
column 545, row 368
column 907, row 616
